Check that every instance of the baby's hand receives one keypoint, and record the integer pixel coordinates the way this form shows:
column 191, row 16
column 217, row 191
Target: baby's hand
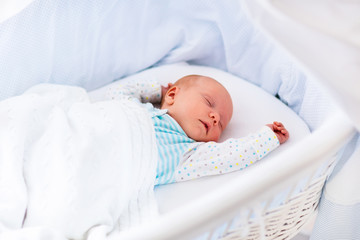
column 280, row 131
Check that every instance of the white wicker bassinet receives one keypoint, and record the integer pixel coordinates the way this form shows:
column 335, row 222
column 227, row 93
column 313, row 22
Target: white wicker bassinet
column 287, row 220
column 245, row 215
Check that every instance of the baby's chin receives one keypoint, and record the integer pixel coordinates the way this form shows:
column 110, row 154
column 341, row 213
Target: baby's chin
column 196, row 138
column 205, row 139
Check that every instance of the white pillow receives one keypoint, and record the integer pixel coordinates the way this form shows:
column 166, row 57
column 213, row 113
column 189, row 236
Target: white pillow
column 253, row 108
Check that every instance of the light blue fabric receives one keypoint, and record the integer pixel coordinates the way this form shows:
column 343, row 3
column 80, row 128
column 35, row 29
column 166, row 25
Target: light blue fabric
column 339, row 211
column 172, row 142
column 337, row 221
column 90, row 43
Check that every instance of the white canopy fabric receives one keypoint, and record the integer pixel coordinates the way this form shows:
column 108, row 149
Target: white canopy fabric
column 324, row 37
column 9, row 8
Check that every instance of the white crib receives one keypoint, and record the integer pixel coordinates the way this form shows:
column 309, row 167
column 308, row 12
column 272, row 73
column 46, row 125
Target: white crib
column 281, row 223
column 246, row 213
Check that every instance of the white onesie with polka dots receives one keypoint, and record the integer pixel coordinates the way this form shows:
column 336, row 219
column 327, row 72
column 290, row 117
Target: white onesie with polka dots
column 211, row 158
column 191, row 160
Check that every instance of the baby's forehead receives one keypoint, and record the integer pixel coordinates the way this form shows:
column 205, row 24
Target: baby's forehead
column 205, row 84
column 211, row 84
column 216, row 90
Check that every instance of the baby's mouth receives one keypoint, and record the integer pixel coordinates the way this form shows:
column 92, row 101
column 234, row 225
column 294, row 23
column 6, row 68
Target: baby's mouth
column 206, row 126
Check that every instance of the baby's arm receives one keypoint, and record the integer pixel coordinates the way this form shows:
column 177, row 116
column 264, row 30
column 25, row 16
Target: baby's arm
column 142, row 90
column 211, row 158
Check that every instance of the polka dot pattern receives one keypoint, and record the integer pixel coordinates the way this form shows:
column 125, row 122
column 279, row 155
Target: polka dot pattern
column 234, row 154
column 142, row 90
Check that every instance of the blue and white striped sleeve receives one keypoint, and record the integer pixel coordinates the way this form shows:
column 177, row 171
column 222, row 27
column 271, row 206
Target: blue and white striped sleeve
column 142, row 90
column 211, row 158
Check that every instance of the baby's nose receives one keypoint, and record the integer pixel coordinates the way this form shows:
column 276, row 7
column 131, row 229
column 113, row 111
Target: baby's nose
column 215, row 117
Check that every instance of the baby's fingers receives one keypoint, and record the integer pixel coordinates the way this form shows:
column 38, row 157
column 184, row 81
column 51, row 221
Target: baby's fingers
column 283, row 130
column 278, row 124
column 285, row 133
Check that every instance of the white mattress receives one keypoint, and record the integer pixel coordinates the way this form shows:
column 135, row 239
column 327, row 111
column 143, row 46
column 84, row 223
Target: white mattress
column 253, row 108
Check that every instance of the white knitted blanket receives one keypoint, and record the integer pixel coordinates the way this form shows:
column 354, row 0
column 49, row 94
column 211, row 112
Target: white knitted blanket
column 74, row 169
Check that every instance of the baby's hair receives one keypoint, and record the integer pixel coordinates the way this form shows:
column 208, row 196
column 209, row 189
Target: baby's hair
column 189, row 80
column 185, row 82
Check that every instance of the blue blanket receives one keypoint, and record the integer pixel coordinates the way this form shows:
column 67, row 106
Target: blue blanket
column 91, row 43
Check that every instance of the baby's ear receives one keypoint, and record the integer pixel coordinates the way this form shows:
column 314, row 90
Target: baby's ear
column 170, row 95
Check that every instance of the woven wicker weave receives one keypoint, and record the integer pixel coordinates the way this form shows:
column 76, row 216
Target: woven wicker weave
column 285, row 221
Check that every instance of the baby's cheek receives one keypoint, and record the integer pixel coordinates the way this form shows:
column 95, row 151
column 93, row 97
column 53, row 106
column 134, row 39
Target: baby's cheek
column 195, row 133
column 216, row 136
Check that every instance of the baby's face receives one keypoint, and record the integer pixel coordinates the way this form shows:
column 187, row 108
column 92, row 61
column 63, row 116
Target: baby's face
column 203, row 109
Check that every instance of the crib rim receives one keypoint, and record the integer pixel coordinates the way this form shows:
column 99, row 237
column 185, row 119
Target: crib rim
column 177, row 224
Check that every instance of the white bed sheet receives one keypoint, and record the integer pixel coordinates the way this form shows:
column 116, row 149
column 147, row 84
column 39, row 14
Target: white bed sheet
column 253, row 108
